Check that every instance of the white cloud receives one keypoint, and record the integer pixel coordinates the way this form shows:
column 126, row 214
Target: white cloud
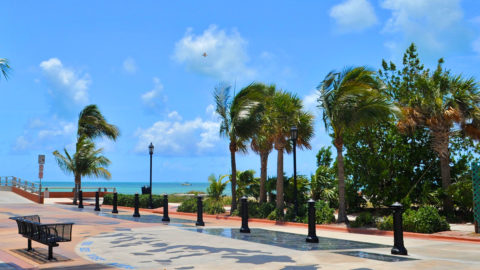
column 176, row 137
column 153, row 98
column 129, row 65
column 310, row 102
column 67, row 84
column 47, row 134
column 354, row 15
column 433, row 24
column 214, row 53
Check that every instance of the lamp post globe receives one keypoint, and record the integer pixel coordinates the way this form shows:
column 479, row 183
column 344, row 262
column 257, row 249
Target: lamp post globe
column 294, row 137
column 150, row 150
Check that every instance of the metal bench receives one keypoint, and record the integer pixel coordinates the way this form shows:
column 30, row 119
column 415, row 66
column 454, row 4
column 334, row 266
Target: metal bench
column 47, row 234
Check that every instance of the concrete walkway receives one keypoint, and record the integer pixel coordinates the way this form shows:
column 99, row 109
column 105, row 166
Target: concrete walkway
column 8, row 197
column 104, row 241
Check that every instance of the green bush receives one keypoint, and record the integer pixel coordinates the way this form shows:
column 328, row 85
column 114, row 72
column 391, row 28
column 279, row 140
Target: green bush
column 256, row 210
column 365, row 219
column 324, row 214
column 189, row 205
column 276, row 215
column 214, row 207
column 128, row 200
column 425, row 220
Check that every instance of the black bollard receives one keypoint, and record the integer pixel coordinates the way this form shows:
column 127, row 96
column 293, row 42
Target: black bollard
column 165, row 208
column 97, row 201
column 115, row 202
column 244, row 228
column 398, row 247
column 80, row 199
column 136, row 213
column 312, row 230
column 199, row 212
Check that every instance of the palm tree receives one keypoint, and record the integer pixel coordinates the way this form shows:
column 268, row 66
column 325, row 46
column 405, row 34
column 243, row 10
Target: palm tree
column 239, row 117
column 440, row 102
column 93, row 124
column 4, row 67
column 262, row 140
column 286, row 111
column 87, row 161
column 217, row 186
column 350, row 100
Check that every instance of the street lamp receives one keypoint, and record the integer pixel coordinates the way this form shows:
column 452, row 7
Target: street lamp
column 150, row 150
column 294, row 137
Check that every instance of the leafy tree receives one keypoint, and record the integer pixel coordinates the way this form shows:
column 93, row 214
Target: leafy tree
column 437, row 101
column 239, row 117
column 323, row 185
column 4, row 67
column 350, row 100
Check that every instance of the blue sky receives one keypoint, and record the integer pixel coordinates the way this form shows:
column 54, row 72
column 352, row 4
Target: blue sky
column 141, row 62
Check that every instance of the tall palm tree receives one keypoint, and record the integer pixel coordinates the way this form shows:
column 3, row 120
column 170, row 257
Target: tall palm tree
column 440, row 102
column 286, row 111
column 87, row 161
column 262, row 140
column 91, row 124
column 350, row 100
column 239, row 117
column 4, row 67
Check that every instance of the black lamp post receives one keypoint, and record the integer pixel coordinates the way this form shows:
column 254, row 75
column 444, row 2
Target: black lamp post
column 150, row 150
column 294, row 137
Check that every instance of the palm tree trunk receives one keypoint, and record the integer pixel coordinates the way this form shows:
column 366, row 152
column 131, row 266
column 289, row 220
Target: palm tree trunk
column 342, row 216
column 78, row 186
column 441, row 139
column 263, row 176
column 280, row 180
column 233, row 149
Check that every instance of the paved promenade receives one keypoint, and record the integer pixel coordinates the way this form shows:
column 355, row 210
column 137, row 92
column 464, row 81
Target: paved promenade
column 106, row 241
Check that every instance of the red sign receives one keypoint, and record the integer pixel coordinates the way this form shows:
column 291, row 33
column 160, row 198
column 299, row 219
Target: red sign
column 40, row 174
column 40, row 167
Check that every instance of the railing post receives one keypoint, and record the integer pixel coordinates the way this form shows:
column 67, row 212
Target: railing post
column 115, row 202
column 80, row 199
column 136, row 213
column 199, row 212
column 244, row 208
column 398, row 247
column 165, row 218
column 312, row 230
column 97, row 201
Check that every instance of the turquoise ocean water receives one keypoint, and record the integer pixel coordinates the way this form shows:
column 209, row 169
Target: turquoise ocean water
column 134, row 187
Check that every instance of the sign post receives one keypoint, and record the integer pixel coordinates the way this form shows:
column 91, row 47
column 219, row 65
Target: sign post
column 41, row 162
column 476, row 194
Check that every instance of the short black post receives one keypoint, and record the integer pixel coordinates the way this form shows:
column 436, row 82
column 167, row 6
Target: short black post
column 244, row 206
column 115, row 202
column 29, row 245
column 199, row 212
column 50, row 252
column 97, row 201
column 80, row 199
column 312, row 230
column 136, row 213
column 398, row 247
column 165, row 208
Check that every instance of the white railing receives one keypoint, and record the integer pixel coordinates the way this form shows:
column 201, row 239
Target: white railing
column 32, row 187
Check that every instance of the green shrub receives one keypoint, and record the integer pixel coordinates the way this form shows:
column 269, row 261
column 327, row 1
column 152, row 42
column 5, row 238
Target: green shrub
column 214, row 207
column 365, row 219
column 425, row 220
column 324, row 214
column 275, row 215
column 189, row 205
column 128, row 200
